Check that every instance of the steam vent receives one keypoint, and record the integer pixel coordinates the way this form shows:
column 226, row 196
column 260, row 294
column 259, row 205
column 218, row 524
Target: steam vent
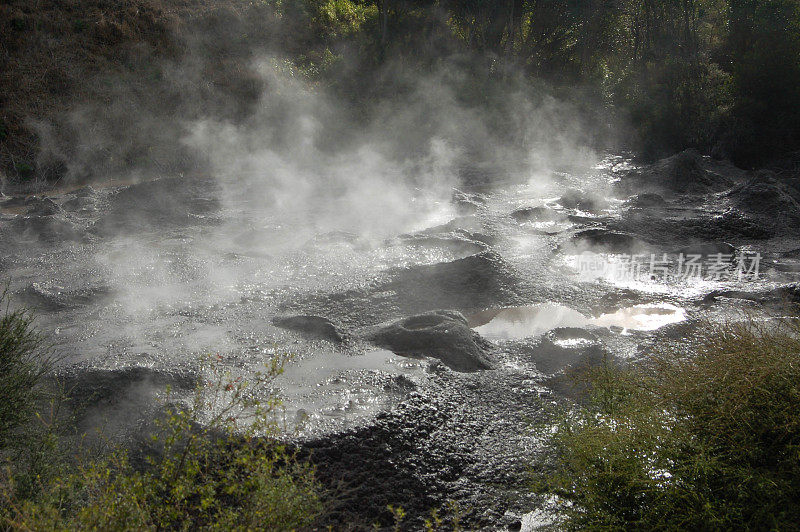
column 399, row 265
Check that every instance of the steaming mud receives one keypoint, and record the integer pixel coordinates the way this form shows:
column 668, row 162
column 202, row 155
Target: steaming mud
column 135, row 284
column 321, row 391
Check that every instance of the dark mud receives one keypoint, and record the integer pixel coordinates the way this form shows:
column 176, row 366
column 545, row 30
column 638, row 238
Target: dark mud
column 311, row 326
column 684, row 173
column 423, row 359
column 444, row 335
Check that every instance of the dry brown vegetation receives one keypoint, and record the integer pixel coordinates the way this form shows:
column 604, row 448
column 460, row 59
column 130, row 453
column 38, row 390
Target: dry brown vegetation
column 56, row 55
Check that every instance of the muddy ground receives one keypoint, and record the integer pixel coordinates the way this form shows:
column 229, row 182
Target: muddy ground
column 424, row 358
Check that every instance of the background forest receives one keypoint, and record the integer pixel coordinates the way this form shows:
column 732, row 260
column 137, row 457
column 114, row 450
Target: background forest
column 653, row 77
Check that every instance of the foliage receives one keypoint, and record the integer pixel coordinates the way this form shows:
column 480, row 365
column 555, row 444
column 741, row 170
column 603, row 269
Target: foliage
column 674, row 104
column 706, row 442
column 717, row 75
column 24, row 359
column 343, row 17
column 436, row 521
column 24, row 170
column 27, row 441
column 763, row 51
column 212, row 465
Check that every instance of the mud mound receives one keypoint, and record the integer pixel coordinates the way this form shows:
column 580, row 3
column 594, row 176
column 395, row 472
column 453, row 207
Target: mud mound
column 466, row 203
column 11, row 202
column 707, row 249
column 42, row 207
column 462, row 227
column 537, row 214
column 459, row 245
column 101, row 385
column 80, row 205
column 311, row 326
column 437, row 446
column 43, row 220
column 561, row 348
column 684, row 173
column 469, row 284
column 646, row 201
column 50, row 229
column 336, row 238
column 766, row 196
column 49, row 297
column 119, row 399
column 340, row 463
column 781, row 296
column 667, row 232
column 82, row 200
column 577, row 199
column 440, row 334
column 84, row 192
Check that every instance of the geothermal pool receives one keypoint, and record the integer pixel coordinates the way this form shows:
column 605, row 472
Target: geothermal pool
column 135, row 284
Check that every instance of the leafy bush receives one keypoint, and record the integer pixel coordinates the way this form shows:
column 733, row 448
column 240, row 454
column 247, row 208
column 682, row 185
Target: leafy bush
column 25, row 171
column 24, row 359
column 708, row 442
column 18, row 24
column 763, row 49
column 211, row 465
column 343, row 17
column 674, row 104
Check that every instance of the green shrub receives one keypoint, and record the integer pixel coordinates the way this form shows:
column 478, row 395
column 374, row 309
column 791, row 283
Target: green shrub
column 18, row 24
column 24, row 359
column 211, row 465
column 27, row 440
column 25, row 171
column 708, row 442
column 343, row 17
column 673, row 104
